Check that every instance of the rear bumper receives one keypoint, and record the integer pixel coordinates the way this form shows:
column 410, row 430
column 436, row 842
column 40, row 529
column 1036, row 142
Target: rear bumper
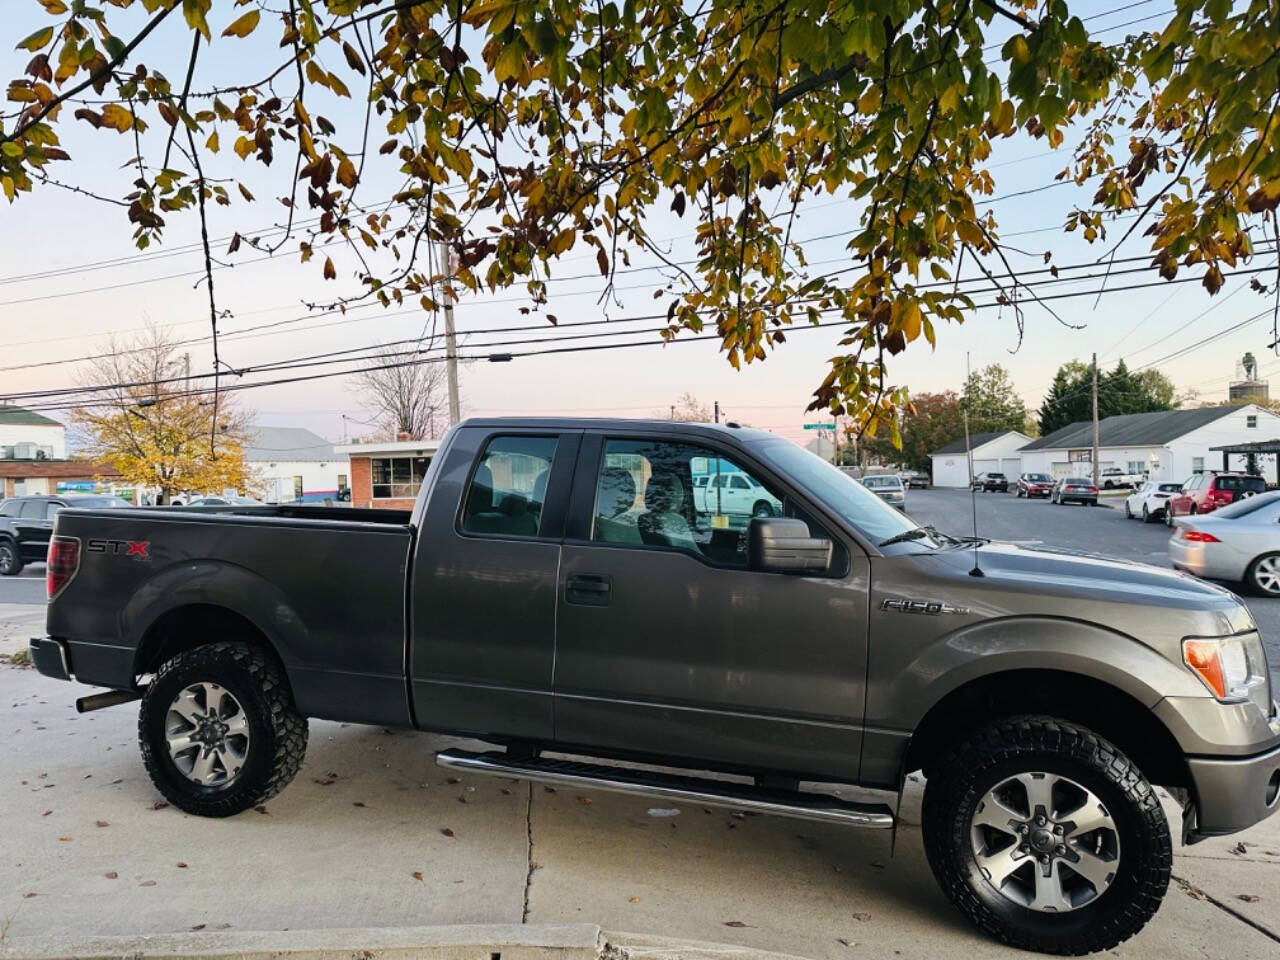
column 1232, row 794
column 1078, row 498
column 51, row 658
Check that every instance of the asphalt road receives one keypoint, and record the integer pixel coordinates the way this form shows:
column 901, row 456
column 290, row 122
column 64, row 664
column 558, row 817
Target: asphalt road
column 1097, row 530
column 26, row 587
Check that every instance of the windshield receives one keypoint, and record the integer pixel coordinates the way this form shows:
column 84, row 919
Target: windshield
column 844, row 495
column 1170, row 487
column 1077, row 481
column 1247, row 505
column 1039, row 478
column 1254, row 484
column 882, row 482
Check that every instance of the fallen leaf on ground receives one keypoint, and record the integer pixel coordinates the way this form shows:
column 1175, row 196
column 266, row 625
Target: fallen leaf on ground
column 1239, row 848
column 323, row 782
column 223, row 926
column 1248, row 897
column 181, row 865
column 262, row 810
column 101, row 823
column 159, row 804
column 64, row 839
column 46, row 813
column 635, row 899
column 447, row 832
column 506, row 792
column 454, row 780
column 843, row 942
column 147, row 883
column 198, row 926
column 111, row 874
column 29, row 895
column 584, row 801
column 736, row 923
column 417, row 875
column 862, row 917
column 117, row 780
column 357, row 803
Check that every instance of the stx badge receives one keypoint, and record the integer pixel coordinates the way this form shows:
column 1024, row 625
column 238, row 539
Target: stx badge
column 931, row 608
column 137, row 549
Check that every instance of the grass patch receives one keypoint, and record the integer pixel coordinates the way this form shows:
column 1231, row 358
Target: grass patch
column 20, row 659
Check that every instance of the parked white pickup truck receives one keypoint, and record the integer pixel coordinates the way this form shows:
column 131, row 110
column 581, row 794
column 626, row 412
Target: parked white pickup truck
column 1111, row 477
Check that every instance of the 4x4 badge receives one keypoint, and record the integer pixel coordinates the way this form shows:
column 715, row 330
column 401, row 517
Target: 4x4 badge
column 932, row 608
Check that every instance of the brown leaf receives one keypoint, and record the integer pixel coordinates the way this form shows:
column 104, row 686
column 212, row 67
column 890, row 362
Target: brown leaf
column 46, row 813
column 862, row 917
column 29, row 895
column 1248, row 897
column 198, row 926
column 262, row 810
column 736, row 923
column 111, row 875
column 329, row 274
column 101, row 823
column 325, row 781
column 147, row 883
column 357, row 803
column 602, row 260
column 159, row 804
column 181, row 865
column 64, row 839
column 353, row 58
column 447, row 832
column 677, row 204
column 417, row 875
column 553, row 319
column 635, row 900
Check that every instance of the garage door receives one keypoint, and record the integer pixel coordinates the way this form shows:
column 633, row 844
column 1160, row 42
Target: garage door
column 1011, row 466
column 985, row 466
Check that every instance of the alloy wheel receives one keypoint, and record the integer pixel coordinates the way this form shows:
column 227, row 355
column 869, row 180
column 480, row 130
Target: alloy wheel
column 7, row 559
column 1046, row 842
column 207, row 732
column 1266, row 574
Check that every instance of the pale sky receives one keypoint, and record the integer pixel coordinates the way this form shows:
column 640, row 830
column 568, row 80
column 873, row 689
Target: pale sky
column 69, row 312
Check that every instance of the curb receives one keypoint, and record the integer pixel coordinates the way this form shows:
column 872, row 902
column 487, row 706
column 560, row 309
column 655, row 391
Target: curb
column 640, row 946
column 463, row 942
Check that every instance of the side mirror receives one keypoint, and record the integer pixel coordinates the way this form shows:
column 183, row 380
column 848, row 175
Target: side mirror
column 783, row 545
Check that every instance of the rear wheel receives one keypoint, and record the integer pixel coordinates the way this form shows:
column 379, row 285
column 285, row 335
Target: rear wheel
column 10, row 561
column 762, row 508
column 1047, row 837
column 1264, row 574
column 1146, row 514
column 219, row 731
column 1128, row 514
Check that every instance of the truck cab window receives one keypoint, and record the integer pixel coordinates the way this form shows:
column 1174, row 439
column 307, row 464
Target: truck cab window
column 509, row 487
column 679, row 496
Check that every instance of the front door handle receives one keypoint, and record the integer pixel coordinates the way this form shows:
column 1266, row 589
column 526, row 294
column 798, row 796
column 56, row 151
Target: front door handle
column 588, row 589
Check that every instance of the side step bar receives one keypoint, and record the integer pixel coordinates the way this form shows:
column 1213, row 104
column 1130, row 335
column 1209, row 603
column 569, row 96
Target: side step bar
column 716, row 793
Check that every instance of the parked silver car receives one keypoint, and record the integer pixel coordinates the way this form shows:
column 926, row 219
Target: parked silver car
column 888, row 487
column 1239, row 542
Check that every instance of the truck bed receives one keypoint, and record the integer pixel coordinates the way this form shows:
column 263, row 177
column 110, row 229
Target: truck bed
column 326, row 585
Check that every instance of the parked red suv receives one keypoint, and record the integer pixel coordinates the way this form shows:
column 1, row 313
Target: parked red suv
column 1205, row 492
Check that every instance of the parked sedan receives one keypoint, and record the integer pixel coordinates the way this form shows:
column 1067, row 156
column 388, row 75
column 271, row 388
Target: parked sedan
column 1075, row 490
column 1150, row 500
column 1239, row 542
column 888, row 487
column 914, row 478
column 1035, row 485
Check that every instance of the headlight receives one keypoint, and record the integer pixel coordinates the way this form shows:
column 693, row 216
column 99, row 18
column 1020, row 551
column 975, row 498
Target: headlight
column 1233, row 668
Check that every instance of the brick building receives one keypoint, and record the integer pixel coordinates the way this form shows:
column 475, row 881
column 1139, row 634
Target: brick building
column 388, row 475
column 26, row 477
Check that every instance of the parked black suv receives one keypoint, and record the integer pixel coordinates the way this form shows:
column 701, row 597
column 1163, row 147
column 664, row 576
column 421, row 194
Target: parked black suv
column 26, row 524
column 990, row 482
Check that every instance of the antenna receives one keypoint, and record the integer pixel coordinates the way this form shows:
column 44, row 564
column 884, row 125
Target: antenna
column 968, row 457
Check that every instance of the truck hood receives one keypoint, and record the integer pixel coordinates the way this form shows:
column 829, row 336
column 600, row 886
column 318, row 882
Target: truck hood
column 1154, row 605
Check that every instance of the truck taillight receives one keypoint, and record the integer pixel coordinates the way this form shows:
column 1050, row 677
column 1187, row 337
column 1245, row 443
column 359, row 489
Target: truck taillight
column 63, row 561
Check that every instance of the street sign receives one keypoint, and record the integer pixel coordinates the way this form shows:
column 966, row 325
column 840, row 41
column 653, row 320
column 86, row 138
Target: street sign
column 819, row 426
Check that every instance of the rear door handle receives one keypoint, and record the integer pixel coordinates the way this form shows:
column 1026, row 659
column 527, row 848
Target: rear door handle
column 588, row 589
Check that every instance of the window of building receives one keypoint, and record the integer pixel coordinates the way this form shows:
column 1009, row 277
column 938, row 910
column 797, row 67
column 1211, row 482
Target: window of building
column 398, row 477
column 1137, row 466
column 509, row 487
column 1197, row 464
column 1251, row 420
column 297, row 488
column 342, row 481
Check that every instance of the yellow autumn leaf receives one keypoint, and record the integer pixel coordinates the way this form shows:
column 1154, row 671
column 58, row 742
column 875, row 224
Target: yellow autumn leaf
column 243, row 26
column 911, row 321
column 869, row 102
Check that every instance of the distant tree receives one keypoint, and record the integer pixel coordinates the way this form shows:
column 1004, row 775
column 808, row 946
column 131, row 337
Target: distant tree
column 992, row 401
column 145, row 422
column 409, row 397
column 929, row 421
column 688, row 409
column 1070, row 396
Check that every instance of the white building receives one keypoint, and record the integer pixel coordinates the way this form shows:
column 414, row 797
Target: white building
column 290, row 463
column 27, row 435
column 993, row 452
column 1167, row 445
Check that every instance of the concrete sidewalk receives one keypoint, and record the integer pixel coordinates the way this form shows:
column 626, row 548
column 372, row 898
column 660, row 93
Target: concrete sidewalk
column 372, row 835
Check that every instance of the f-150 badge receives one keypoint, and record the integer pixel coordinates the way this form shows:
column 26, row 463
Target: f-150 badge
column 931, row 608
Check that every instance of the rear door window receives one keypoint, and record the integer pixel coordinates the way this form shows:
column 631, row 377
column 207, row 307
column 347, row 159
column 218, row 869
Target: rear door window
column 509, row 487
column 32, row 510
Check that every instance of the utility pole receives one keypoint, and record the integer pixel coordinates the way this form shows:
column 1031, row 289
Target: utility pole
column 186, row 372
column 717, row 411
column 673, row 411
column 450, row 337
column 1095, row 419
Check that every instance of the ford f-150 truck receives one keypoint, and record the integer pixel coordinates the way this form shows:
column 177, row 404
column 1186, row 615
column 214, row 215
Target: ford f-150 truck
column 559, row 592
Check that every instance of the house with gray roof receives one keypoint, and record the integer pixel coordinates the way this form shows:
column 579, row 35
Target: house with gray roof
column 1167, row 445
column 291, row 463
column 991, row 452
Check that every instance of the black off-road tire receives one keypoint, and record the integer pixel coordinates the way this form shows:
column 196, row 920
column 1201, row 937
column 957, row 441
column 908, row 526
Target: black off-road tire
column 1036, row 743
column 278, row 741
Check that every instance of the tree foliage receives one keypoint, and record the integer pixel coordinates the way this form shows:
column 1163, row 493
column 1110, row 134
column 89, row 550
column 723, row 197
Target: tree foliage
column 151, row 431
column 1070, row 396
column 407, row 397
column 527, row 129
column 993, row 402
column 930, row 421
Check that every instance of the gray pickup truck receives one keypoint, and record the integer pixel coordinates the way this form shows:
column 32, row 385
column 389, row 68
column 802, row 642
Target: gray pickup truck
column 559, row 592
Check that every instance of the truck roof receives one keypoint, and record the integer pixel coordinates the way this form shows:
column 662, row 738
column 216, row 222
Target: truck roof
column 728, row 429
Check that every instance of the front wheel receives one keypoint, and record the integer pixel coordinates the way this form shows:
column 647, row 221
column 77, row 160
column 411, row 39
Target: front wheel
column 1146, row 514
column 219, row 731
column 1047, row 837
column 1264, row 575
column 10, row 560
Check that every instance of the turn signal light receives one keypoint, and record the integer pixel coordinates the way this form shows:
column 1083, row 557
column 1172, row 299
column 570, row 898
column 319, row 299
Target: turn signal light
column 1199, row 536
column 1202, row 657
column 63, row 559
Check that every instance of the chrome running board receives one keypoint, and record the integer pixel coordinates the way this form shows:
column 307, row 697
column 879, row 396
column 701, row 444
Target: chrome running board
column 716, row 793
